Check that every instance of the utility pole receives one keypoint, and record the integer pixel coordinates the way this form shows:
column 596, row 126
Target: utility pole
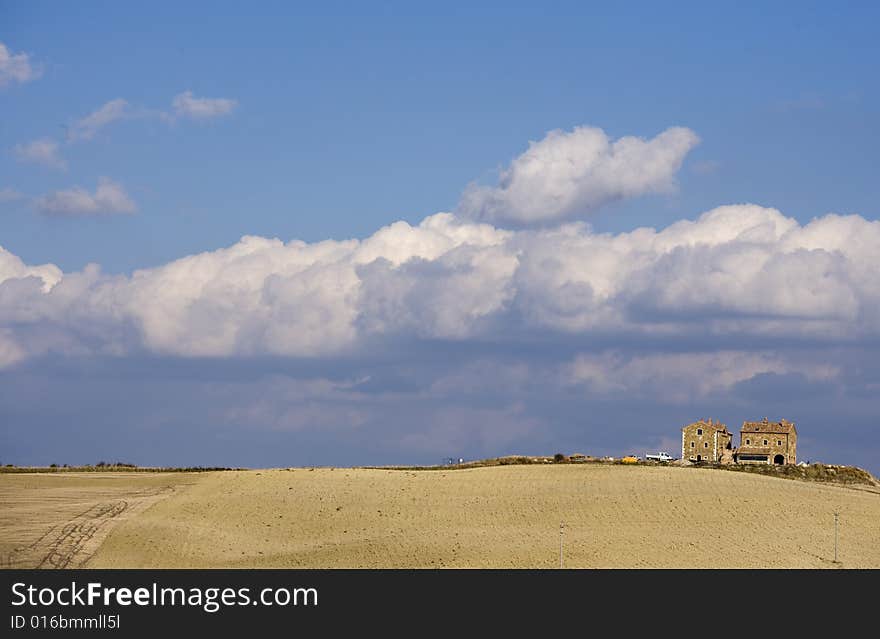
column 836, row 515
column 562, row 533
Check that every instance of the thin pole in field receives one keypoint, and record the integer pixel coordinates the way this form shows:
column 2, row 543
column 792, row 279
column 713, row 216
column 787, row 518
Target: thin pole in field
column 561, row 533
column 836, row 516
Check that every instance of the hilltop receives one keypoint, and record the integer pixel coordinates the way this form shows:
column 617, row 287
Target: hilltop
column 817, row 472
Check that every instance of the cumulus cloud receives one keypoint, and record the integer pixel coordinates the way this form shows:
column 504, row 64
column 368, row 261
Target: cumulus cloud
column 87, row 127
column 739, row 272
column 568, row 174
column 15, row 67
column 43, row 151
column 109, row 198
column 188, row 106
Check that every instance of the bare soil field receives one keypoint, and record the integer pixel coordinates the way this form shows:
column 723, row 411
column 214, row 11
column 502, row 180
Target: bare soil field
column 58, row 520
column 498, row 517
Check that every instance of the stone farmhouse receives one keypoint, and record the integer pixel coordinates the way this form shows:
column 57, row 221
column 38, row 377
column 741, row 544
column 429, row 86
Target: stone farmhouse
column 762, row 442
column 767, row 442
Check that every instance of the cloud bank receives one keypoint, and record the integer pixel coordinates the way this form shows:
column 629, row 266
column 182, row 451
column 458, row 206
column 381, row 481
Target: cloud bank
column 741, row 271
column 571, row 173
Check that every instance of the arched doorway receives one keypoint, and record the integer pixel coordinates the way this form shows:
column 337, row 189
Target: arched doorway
column 779, row 460
column 699, row 458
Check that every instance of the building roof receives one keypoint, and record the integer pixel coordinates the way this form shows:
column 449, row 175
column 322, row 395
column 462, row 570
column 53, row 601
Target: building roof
column 764, row 426
column 708, row 424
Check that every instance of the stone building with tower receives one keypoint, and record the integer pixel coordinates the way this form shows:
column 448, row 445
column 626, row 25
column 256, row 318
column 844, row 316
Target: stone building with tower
column 707, row 441
column 763, row 442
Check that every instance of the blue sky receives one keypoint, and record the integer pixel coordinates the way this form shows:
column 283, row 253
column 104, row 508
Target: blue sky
column 350, row 118
column 341, row 119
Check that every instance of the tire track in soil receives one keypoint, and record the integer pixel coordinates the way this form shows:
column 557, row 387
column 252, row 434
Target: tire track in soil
column 75, row 533
column 70, row 545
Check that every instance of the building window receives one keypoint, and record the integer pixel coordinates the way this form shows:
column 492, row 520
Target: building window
column 699, row 431
column 705, row 444
column 779, row 442
column 765, row 442
column 692, row 444
column 748, row 442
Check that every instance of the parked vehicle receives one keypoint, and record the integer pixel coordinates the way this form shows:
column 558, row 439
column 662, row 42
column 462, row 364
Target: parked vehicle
column 660, row 457
column 630, row 459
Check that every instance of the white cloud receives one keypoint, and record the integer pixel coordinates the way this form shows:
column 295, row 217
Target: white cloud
column 12, row 267
column 43, row 151
column 109, row 198
column 16, row 67
column 87, row 127
column 8, row 194
column 738, row 272
column 187, row 105
column 572, row 173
